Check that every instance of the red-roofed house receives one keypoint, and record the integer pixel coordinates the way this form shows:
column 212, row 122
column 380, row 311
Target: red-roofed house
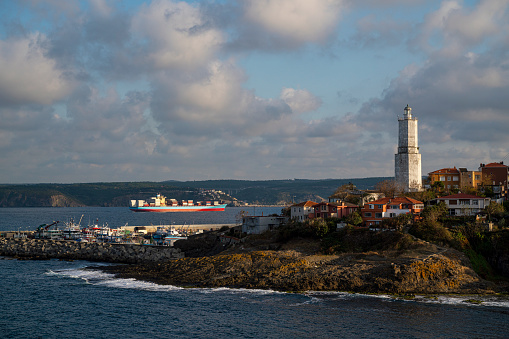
column 464, row 204
column 449, row 176
column 373, row 212
column 333, row 209
column 301, row 211
column 497, row 172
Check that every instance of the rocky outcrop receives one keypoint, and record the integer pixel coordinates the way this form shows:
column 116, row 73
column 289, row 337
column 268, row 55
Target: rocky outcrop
column 72, row 250
column 446, row 272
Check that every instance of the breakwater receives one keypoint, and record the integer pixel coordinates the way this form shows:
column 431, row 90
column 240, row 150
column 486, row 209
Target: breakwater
column 72, row 250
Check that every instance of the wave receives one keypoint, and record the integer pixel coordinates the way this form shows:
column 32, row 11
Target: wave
column 97, row 277
column 455, row 300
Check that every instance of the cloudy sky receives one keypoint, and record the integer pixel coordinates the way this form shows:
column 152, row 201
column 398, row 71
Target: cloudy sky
column 110, row 90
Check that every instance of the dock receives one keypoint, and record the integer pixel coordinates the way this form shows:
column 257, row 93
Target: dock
column 187, row 227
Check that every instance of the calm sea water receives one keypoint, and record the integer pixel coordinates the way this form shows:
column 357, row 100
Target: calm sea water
column 12, row 219
column 58, row 299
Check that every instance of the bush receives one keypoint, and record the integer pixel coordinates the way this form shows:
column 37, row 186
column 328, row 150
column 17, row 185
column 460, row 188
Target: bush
column 350, row 239
column 431, row 231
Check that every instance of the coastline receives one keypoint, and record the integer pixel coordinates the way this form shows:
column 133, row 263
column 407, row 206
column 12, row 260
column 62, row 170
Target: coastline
column 426, row 270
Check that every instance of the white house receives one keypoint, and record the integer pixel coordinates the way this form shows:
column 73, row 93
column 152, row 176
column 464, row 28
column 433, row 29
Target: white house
column 260, row 224
column 464, row 204
column 301, row 211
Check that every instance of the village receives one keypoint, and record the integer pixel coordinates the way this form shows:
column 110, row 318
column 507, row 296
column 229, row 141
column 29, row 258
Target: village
column 462, row 193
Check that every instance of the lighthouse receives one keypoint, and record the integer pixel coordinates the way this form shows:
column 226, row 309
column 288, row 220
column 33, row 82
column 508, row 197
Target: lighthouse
column 408, row 159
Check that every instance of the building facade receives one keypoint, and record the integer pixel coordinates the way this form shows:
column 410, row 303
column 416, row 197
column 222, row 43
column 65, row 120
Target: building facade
column 333, row 209
column 450, row 177
column 303, row 210
column 464, row 204
column 496, row 173
column 470, row 179
column 374, row 212
column 260, row 224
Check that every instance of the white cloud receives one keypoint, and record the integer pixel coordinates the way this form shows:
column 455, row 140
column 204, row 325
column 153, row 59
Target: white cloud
column 175, row 35
column 28, row 75
column 300, row 100
column 299, row 21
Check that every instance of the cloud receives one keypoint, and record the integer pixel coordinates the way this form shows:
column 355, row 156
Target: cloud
column 175, row 35
column 27, row 75
column 300, row 100
column 284, row 24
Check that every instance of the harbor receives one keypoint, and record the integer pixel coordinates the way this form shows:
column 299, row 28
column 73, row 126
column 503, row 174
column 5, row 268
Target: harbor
column 163, row 235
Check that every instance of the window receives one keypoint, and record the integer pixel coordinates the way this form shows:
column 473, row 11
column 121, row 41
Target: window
column 378, row 215
column 324, row 207
column 442, row 178
column 453, row 202
column 455, row 178
column 475, row 202
column 477, row 177
column 379, row 206
column 371, row 206
column 392, row 215
column 449, row 178
column 367, row 214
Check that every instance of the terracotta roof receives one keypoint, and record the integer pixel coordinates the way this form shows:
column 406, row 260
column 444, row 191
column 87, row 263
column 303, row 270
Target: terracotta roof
column 495, row 164
column 461, row 196
column 445, row 171
column 305, row 204
column 394, row 201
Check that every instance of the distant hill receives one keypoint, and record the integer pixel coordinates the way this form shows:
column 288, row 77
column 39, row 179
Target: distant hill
column 267, row 192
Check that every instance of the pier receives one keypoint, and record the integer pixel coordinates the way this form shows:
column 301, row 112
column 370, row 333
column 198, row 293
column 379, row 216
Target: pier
column 186, row 227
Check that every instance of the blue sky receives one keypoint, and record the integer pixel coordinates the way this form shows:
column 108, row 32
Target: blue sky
column 248, row 89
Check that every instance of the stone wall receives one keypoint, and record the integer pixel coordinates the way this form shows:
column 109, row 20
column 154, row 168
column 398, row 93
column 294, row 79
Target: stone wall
column 72, row 250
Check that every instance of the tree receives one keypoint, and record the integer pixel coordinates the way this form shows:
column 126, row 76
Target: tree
column 437, row 186
column 397, row 223
column 493, row 209
column 434, row 212
column 354, row 218
column 348, row 193
column 389, row 187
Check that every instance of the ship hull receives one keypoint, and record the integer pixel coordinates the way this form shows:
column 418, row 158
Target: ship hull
column 164, row 209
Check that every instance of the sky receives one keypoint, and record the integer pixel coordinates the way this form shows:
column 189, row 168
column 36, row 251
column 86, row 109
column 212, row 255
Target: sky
column 110, row 90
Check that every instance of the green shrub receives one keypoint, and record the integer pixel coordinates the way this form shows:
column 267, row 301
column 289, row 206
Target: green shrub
column 432, row 231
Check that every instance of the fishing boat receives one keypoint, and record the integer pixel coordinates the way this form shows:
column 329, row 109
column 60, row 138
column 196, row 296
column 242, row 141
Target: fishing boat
column 160, row 203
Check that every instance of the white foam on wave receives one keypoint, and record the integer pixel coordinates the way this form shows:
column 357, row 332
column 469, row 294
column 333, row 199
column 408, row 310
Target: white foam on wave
column 99, row 278
column 238, row 291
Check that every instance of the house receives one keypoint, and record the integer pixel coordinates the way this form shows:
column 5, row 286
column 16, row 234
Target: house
column 470, row 179
column 333, row 209
column 496, row 172
column 260, row 224
column 496, row 177
column 450, row 177
column 464, row 204
column 350, row 193
column 301, row 211
column 374, row 212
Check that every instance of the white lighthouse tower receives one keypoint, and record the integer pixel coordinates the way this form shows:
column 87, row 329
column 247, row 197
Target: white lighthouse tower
column 408, row 159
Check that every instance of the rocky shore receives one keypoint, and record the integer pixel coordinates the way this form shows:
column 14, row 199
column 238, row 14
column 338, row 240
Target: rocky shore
column 72, row 250
column 425, row 269
column 296, row 265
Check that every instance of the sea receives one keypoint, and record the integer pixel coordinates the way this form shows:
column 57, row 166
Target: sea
column 75, row 299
